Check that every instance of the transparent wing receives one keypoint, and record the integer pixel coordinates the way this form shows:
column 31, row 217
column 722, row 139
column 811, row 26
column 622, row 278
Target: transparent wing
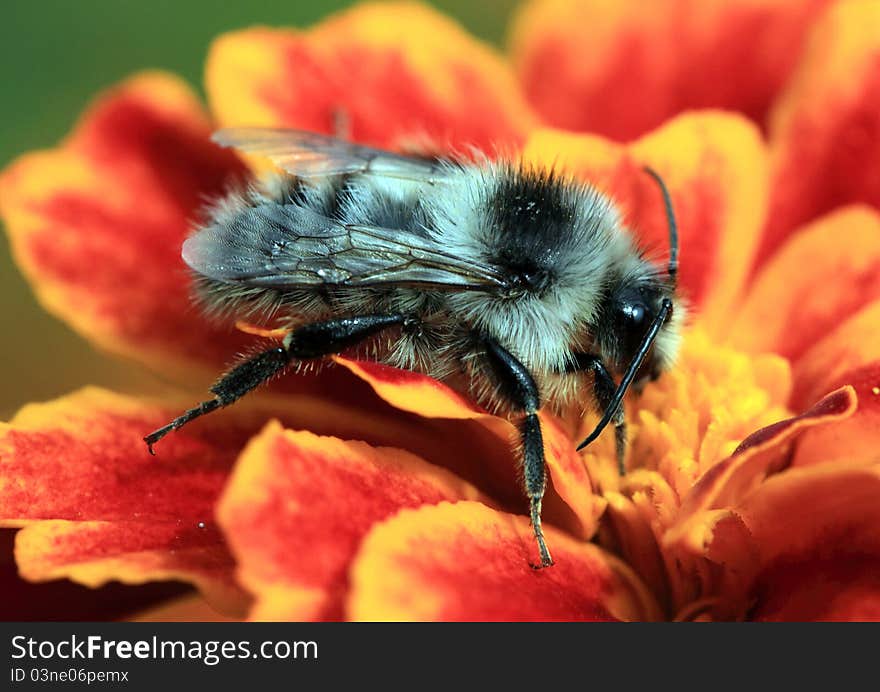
column 288, row 246
column 308, row 154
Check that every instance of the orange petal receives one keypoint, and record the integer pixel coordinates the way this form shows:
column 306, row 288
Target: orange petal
column 132, row 552
column 789, row 536
column 714, row 165
column 853, row 344
column 393, row 73
column 95, row 506
column 465, row 561
column 97, row 224
column 633, row 537
column 65, row 601
column 855, row 439
column 494, row 467
column 298, row 505
column 640, row 518
column 622, row 68
column 825, row 129
column 761, row 454
column 411, row 391
column 812, row 526
column 787, row 309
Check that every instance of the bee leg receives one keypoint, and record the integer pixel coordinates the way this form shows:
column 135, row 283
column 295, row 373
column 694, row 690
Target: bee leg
column 518, row 386
column 309, row 341
column 241, row 379
column 603, row 390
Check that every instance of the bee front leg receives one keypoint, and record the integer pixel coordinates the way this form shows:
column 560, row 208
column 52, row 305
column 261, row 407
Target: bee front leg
column 518, row 386
column 304, row 343
column 603, row 390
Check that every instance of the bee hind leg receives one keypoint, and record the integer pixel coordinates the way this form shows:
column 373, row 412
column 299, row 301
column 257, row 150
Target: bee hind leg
column 241, row 379
column 306, row 342
column 518, row 386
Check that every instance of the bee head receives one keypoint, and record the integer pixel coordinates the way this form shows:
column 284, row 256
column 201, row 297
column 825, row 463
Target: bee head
column 632, row 304
column 638, row 324
column 628, row 310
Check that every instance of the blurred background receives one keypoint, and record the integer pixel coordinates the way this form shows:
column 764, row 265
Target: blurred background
column 55, row 55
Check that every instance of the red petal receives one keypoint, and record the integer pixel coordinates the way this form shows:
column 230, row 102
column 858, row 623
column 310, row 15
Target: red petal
column 298, row 506
column 66, row 601
column 623, row 68
column 397, row 74
column 183, row 609
column 465, row 561
column 835, row 590
column 854, row 440
column 95, row 506
column 796, row 532
column 825, row 131
column 133, row 552
column 853, row 344
column 818, row 535
column 97, row 224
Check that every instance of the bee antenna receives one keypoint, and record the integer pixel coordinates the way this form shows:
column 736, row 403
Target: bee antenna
column 635, row 364
column 672, row 266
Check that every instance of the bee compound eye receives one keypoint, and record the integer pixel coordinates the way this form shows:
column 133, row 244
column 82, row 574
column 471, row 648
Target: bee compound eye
column 633, row 318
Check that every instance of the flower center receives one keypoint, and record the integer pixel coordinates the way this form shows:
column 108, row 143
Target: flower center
column 696, row 414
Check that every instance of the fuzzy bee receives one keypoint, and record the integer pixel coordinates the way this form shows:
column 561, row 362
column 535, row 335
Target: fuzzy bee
column 516, row 286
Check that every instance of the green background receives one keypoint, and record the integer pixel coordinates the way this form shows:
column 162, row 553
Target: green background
column 54, row 57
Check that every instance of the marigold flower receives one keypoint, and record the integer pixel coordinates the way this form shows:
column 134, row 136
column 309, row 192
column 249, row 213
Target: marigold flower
column 371, row 493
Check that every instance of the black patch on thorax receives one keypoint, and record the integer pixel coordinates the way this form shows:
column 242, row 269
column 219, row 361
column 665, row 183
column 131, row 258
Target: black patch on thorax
column 531, row 218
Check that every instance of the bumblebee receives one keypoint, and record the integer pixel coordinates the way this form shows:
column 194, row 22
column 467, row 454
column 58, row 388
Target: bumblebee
column 511, row 284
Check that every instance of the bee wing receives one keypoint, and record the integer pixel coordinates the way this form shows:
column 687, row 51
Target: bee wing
column 308, row 154
column 288, row 246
